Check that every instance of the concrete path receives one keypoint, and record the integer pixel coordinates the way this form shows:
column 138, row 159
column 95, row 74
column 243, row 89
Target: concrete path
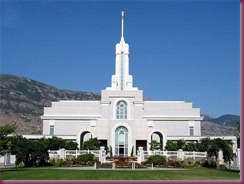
column 120, row 169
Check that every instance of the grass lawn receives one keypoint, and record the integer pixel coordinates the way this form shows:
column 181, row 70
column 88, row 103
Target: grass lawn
column 68, row 174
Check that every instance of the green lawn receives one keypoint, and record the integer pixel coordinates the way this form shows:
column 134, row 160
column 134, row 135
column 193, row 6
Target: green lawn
column 99, row 174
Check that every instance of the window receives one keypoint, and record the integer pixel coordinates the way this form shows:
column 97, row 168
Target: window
column 121, row 110
column 121, row 141
column 51, row 130
column 191, row 131
column 122, row 72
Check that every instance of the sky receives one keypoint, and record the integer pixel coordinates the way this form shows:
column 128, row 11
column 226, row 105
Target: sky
column 180, row 50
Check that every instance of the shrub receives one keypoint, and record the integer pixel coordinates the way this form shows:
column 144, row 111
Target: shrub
column 182, row 164
column 21, row 164
column 175, row 163
column 209, row 163
column 106, row 165
column 86, row 157
column 56, row 162
column 68, row 162
column 157, row 160
column 197, row 164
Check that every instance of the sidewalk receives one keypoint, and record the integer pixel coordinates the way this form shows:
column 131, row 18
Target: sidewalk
column 119, row 169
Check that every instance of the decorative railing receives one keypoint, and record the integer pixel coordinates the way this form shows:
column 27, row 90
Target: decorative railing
column 63, row 154
column 180, row 154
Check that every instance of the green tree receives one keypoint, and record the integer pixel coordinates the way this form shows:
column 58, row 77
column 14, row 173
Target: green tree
column 56, row 143
column 190, row 146
column 70, row 145
column 181, row 144
column 155, row 145
column 214, row 146
column 171, row 146
column 91, row 144
column 175, row 145
column 30, row 152
column 4, row 140
column 204, row 144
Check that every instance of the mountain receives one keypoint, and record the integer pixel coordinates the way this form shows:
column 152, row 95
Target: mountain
column 213, row 129
column 228, row 120
column 22, row 101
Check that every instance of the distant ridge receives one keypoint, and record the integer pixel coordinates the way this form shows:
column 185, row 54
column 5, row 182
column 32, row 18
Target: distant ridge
column 22, row 101
column 228, row 120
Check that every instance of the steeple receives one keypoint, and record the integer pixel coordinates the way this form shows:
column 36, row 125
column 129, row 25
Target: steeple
column 122, row 26
column 122, row 81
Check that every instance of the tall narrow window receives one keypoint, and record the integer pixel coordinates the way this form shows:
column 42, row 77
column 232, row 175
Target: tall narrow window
column 191, row 131
column 122, row 71
column 51, row 130
column 121, row 110
column 121, row 141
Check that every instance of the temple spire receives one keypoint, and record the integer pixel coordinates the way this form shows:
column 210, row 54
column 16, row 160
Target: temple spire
column 122, row 26
column 122, row 80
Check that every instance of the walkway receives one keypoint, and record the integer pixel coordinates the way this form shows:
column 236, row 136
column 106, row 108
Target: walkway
column 120, row 169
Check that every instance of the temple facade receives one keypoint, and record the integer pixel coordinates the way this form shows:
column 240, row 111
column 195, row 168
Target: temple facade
column 122, row 120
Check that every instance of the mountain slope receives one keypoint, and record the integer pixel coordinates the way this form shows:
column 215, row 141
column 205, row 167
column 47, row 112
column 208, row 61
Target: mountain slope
column 213, row 129
column 22, row 101
column 228, row 120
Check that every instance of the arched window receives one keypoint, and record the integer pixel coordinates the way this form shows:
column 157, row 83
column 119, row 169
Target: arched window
column 121, row 110
column 121, row 141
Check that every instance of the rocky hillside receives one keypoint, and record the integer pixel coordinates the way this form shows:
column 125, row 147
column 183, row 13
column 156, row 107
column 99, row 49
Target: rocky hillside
column 213, row 129
column 22, row 101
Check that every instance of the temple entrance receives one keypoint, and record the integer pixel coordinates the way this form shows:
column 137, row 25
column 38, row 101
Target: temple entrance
column 121, row 150
column 121, row 141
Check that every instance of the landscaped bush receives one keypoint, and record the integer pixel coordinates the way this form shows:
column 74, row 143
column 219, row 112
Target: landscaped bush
column 197, row 164
column 157, row 160
column 209, row 164
column 56, row 162
column 85, row 158
column 175, row 163
column 67, row 162
column 183, row 164
column 106, row 165
column 21, row 164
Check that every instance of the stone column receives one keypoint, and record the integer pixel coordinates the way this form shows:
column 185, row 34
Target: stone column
column 62, row 153
column 141, row 154
column 180, row 154
column 220, row 155
column 238, row 156
column 102, row 154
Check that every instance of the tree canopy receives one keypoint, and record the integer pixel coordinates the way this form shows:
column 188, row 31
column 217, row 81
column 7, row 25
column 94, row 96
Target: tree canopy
column 91, row 144
column 155, row 145
column 4, row 142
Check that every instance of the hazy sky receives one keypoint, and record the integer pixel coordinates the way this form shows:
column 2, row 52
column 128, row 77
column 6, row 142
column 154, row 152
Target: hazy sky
column 179, row 50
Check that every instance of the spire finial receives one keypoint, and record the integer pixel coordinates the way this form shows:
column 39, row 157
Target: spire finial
column 122, row 27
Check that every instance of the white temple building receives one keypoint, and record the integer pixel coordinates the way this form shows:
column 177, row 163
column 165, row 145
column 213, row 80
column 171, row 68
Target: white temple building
column 122, row 119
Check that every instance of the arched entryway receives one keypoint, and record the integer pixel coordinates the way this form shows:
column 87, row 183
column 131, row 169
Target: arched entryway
column 84, row 136
column 157, row 136
column 121, row 141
